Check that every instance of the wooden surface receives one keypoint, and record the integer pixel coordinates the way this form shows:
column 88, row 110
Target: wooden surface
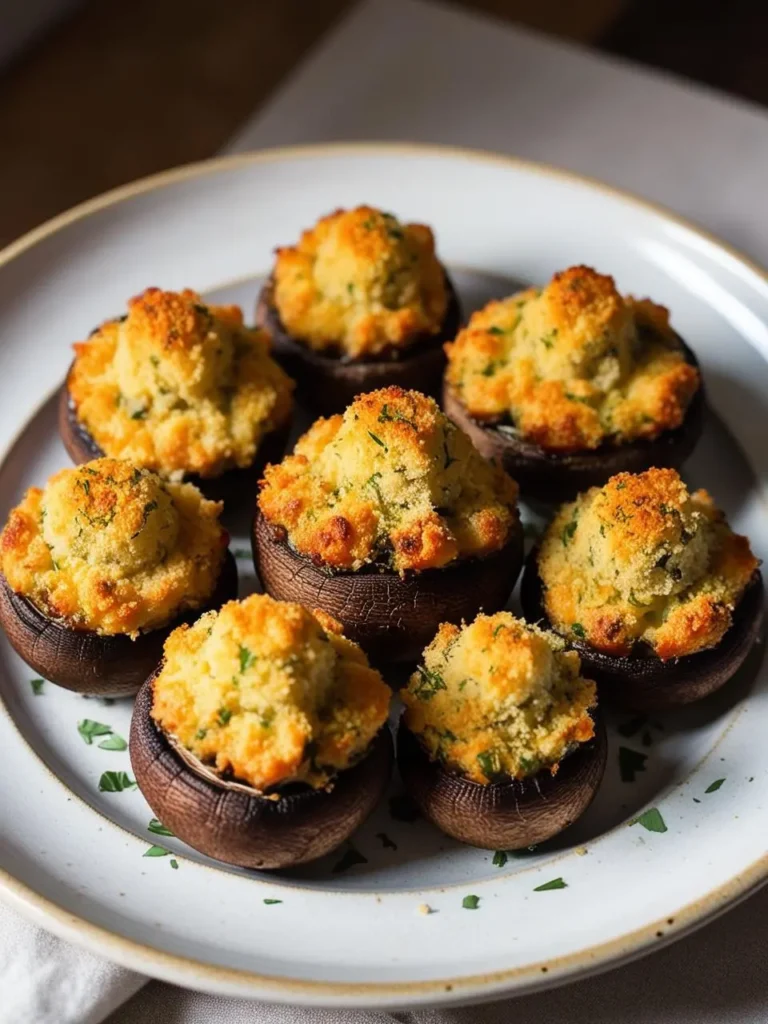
column 123, row 89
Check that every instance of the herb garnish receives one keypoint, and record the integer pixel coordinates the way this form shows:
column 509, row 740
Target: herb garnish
column 548, row 340
column 488, row 762
column 429, row 683
column 247, row 658
column 224, row 715
column 556, row 883
column 714, row 786
column 350, row 857
column 156, row 851
column 568, row 531
column 386, row 842
column 495, row 330
column 158, row 828
column 88, row 729
column 651, row 820
column 174, row 864
column 271, row 903
column 115, row 782
column 37, row 686
column 630, row 763
column 378, row 440
column 114, row 742
column 578, row 629
column 470, row 902
column 500, row 858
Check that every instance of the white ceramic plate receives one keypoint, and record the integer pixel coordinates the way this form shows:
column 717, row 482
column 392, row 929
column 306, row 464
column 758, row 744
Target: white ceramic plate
column 72, row 857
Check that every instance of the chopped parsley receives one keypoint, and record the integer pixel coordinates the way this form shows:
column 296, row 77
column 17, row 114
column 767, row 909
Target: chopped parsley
column 578, row 629
column 247, row 658
column 88, row 729
column 271, row 903
column 568, row 531
column 157, row 851
column 548, row 340
column 158, row 828
column 224, row 715
column 37, row 686
column 471, row 902
column 174, row 864
column 113, row 742
column 651, row 820
column 115, row 782
column 349, row 859
column 630, row 763
column 488, row 761
column 495, row 330
column 429, row 683
column 500, row 858
column 714, row 786
column 378, row 440
column 556, row 883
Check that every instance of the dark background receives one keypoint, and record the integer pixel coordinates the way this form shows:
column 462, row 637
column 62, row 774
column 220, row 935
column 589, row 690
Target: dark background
column 121, row 89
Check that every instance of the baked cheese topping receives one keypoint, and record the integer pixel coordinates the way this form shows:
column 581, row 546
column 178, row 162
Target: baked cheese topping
column 499, row 698
column 392, row 480
column 270, row 693
column 573, row 366
column 178, row 386
column 642, row 559
column 113, row 548
column 360, row 283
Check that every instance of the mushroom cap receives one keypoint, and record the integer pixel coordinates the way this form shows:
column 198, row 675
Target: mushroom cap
column 556, row 477
column 328, row 384
column 89, row 662
column 642, row 681
column 225, row 821
column 392, row 617
column 506, row 815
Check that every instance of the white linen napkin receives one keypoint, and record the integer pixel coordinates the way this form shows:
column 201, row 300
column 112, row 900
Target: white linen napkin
column 44, row 980
column 519, row 93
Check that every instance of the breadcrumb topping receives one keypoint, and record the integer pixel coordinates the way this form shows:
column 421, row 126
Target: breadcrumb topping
column 178, row 386
column 643, row 559
column 360, row 283
column 499, row 698
column 270, row 693
column 574, row 365
column 392, row 480
column 109, row 547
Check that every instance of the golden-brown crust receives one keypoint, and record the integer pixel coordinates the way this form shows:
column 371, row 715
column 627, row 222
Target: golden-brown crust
column 178, row 386
column 498, row 697
column 574, row 365
column 641, row 559
column 360, row 283
column 112, row 548
column 269, row 692
column 392, row 474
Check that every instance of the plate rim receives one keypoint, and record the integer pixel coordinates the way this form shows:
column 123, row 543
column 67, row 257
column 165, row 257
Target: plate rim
column 176, row 968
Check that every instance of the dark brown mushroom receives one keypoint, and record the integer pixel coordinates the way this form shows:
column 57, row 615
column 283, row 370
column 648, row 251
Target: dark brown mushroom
column 89, row 662
column 554, row 477
column 508, row 814
column 235, row 485
column 327, row 383
column 641, row 681
column 234, row 823
column 392, row 617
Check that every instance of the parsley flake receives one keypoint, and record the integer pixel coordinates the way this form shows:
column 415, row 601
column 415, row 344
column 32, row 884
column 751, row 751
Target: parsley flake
column 158, row 828
column 714, row 786
column 470, row 902
column 174, row 864
column 556, row 883
column 378, row 440
column 115, row 782
column 247, row 658
column 156, row 851
column 271, row 903
column 651, row 820
column 349, row 858
column 37, row 686
column 429, row 683
column 88, row 729
column 579, row 630
column 114, row 742
column 500, row 858
column 630, row 763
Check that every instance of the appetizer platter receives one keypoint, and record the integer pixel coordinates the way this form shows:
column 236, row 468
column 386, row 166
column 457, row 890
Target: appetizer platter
column 380, row 582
